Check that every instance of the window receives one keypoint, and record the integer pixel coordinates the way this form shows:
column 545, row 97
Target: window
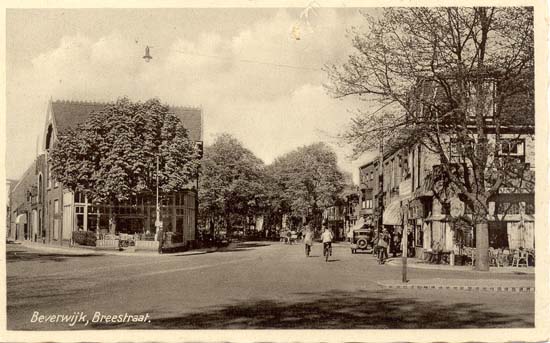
column 56, row 229
column 508, row 208
column 368, row 204
column 512, row 147
column 529, row 208
column 49, row 177
column 79, row 198
column 56, row 206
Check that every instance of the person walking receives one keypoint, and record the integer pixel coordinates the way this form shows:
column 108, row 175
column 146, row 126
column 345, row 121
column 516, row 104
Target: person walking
column 308, row 239
column 383, row 244
column 160, row 238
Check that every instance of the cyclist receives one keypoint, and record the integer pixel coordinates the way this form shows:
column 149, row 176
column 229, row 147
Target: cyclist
column 327, row 237
column 308, row 239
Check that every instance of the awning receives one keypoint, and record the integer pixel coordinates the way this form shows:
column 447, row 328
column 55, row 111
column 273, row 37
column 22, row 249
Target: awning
column 21, row 219
column 392, row 214
column 358, row 224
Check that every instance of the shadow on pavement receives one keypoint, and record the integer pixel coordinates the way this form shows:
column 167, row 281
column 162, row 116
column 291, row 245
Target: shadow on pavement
column 242, row 246
column 340, row 310
column 23, row 255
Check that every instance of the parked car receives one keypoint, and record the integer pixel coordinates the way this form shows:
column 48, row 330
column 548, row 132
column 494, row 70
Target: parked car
column 361, row 240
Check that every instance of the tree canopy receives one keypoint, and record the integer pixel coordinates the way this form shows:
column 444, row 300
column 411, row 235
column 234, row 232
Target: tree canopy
column 232, row 181
column 307, row 179
column 112, row 155
column 442, row 74
column 456, row 80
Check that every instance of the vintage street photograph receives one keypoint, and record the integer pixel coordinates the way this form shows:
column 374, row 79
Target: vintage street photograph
column 310, row 167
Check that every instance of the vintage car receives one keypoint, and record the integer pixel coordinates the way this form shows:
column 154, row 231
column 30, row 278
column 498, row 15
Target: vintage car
column 361, row 239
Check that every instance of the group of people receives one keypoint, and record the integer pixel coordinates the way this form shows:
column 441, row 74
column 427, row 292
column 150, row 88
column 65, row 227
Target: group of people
column 380, row 242
column 326, row 237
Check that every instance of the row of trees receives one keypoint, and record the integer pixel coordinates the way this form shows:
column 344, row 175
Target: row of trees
column 112, row 158
column 237, row 187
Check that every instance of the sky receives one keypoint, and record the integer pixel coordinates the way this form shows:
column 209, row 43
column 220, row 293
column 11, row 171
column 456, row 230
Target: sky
column 244, row 67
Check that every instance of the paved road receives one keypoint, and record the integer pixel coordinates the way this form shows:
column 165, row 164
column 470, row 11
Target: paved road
column 253, row 285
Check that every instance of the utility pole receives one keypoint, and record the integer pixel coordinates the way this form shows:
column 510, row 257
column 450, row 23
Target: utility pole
column 404, row 239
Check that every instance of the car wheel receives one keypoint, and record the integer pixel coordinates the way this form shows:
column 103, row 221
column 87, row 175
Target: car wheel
column 362, row 243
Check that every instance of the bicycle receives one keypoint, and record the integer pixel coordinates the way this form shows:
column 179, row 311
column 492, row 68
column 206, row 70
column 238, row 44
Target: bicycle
column 327, row 250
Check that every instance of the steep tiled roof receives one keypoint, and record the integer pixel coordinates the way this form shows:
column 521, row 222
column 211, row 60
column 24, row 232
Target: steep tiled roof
column 71, row 113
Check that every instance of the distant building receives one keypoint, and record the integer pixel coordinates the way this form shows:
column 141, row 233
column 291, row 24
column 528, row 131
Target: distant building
column 42, row 210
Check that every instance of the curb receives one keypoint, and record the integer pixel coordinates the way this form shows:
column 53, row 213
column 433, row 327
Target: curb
column 463, row 288
column 493, row 269
column 79, row 251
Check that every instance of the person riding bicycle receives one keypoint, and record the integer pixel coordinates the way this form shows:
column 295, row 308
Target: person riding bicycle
column 308, row 239
column 326, row 238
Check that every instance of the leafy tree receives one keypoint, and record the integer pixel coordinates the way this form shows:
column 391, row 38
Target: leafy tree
column 441, row 74
column 231, row 186
column 307, row 180
column 111, row 157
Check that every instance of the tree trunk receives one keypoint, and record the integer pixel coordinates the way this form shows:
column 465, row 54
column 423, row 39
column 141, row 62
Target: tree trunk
column 482, row 246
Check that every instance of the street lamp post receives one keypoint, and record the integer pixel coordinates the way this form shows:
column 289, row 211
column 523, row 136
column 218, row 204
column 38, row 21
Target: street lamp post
column 158, row 223
column 405, row 239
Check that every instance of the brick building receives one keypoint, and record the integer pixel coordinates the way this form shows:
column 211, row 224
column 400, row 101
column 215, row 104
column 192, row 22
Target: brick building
column 42, row 210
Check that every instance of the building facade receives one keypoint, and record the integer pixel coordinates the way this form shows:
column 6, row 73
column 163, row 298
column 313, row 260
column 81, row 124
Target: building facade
column 42, row 210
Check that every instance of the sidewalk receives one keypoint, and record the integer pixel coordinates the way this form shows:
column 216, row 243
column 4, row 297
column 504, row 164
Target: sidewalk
column 485, row 285
column 76, row 251
column 416, row 263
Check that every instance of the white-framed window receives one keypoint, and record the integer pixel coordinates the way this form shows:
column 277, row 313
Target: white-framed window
column 56, row 206
column 368, row 203
column 512, row 147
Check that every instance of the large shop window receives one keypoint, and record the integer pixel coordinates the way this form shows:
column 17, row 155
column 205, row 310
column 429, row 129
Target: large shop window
column 79, row 210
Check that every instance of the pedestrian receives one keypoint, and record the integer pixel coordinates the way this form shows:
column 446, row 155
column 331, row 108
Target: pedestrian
column 288, row 237
column 383, row 243
column 308, row 239
column 160, row 238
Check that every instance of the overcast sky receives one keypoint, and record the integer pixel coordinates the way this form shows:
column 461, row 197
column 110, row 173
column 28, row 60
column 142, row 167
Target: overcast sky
column 231, row 62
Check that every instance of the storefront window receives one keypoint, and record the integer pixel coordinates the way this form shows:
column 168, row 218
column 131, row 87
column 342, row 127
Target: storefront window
column 79, row 211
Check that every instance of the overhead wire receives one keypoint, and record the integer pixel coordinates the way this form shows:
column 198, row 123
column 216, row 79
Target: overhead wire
column 280, row 65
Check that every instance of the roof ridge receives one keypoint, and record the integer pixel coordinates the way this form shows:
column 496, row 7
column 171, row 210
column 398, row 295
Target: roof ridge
column 82, row 102
column 105, row 103
column 185, row 107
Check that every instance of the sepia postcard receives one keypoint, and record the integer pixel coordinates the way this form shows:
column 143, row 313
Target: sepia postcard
column 275, row 171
